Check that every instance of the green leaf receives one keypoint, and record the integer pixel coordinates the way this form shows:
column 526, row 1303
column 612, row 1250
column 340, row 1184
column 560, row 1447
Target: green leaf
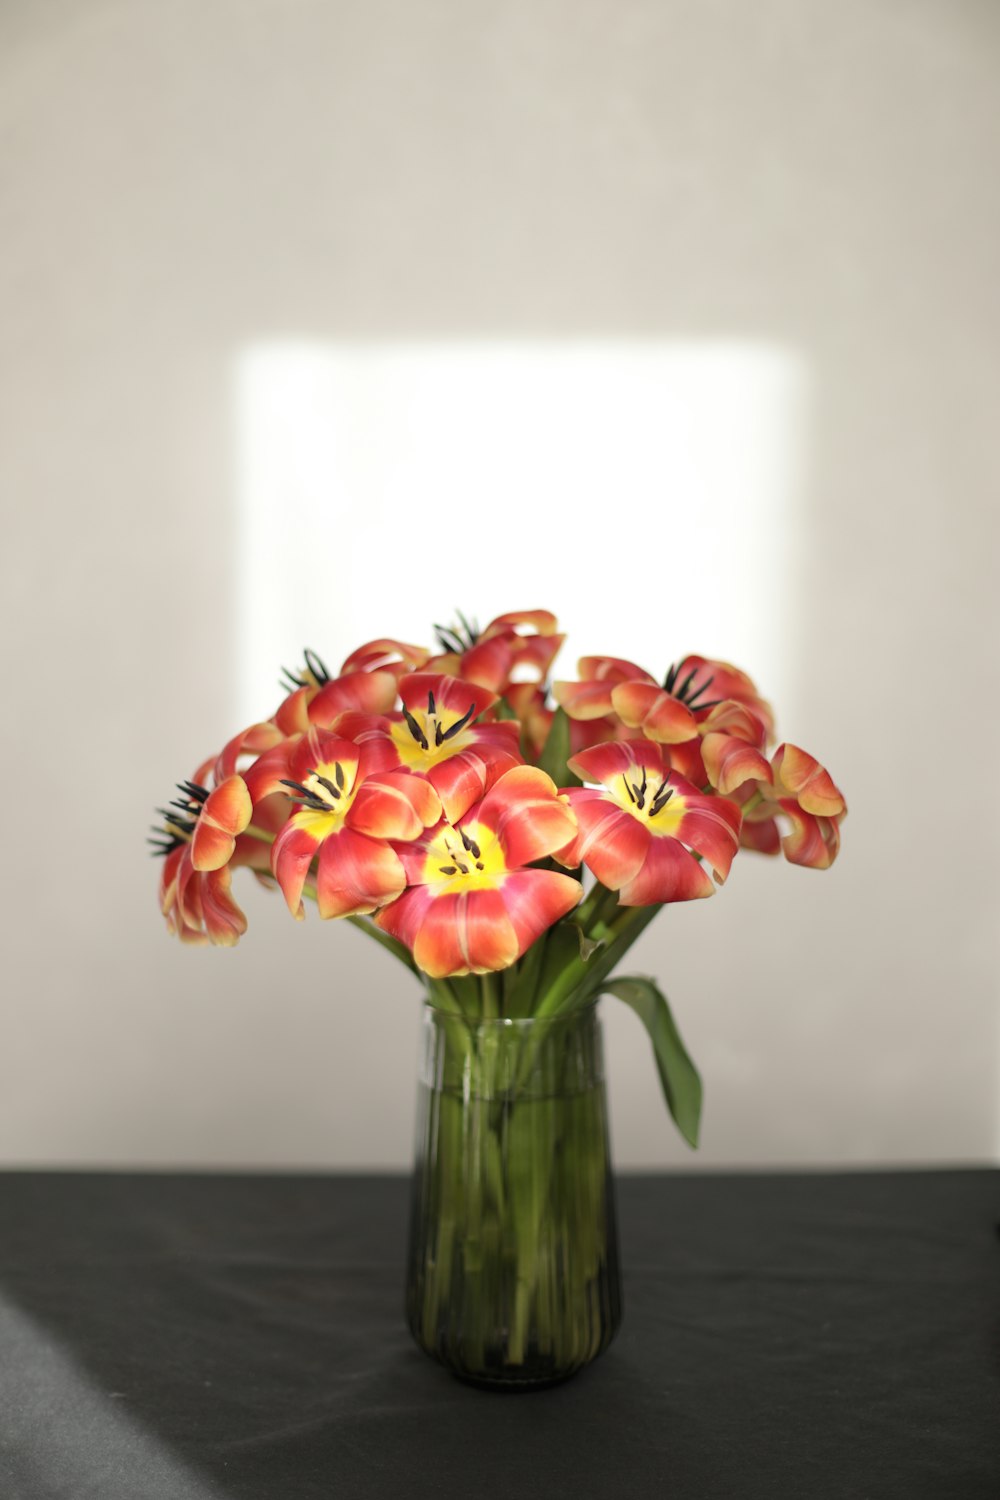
column 503, row 710
column 678, row 1074
column 557, row 752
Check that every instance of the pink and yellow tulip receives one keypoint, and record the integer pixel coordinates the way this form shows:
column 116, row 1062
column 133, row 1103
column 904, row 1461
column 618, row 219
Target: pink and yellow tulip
column 516, row 647
column 643, row 829
column 348, row 801
column 437, row 734
column 799, row 791
column 472, row 904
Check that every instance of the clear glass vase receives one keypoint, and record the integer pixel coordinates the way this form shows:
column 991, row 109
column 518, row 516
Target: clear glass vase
column 513, row 1275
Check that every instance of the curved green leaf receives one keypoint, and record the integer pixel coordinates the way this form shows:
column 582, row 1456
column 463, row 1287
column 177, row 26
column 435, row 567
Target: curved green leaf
column 678, row 1075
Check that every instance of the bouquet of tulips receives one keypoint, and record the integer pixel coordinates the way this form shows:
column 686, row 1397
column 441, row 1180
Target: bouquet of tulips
column 506, row 837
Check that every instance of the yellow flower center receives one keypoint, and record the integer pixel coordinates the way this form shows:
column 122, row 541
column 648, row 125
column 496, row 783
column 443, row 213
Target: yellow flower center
column 464, row 859
column 651, row 799
column 324, row 798
column 426, row 737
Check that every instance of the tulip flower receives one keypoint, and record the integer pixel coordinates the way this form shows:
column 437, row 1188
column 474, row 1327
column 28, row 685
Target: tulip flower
column 197, row 902
column 438, row 736
column 348, row 801
column 317, row 698
column 472, row 904
column 671, row 713
column 643, row 824
column 515, row 647
column 799, row 791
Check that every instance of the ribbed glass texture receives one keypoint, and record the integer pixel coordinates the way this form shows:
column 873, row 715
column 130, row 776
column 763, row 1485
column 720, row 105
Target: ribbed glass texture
column 513, row 1273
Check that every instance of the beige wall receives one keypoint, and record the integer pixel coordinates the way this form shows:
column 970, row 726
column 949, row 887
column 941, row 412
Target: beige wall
column 180, row 182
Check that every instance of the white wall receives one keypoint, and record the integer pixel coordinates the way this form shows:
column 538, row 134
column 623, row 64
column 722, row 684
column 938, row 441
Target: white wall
column 181, row 184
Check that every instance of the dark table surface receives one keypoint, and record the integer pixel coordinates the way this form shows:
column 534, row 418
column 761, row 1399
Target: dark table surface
column 199, row 1337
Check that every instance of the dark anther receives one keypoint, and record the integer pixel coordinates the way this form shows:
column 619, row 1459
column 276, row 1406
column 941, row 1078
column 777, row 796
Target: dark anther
column 310, row 799
column 459, row 723
column 628, row 788
column 698, row 691
column 317, row 667
column 681, row 691
column 703, row 707
column 661, row 799
column 471, row 631
column 329, row 787
column 470, row 844
column 480, row 865
column 671, row 678
column 339, row 771
column 193, row 790
column 414, row 728
column 449, row 639
column 431, row 705
column 640, row 791
column 448, row 869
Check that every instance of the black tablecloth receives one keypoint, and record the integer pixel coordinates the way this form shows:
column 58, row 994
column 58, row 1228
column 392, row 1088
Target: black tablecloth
column 202, row 1337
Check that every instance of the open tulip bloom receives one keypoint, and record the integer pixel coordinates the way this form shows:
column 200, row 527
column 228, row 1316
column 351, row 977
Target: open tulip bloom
column 504, row 838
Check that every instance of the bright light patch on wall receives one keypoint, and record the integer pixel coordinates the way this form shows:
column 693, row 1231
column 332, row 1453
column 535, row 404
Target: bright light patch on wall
column 646, row 492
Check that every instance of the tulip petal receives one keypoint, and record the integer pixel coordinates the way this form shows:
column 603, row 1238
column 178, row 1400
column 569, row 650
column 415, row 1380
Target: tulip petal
column 729, row 762
column 226, row 812
column 356, row 875
column 669, row 873
column 800, row 774
column 291, row 855
column 385, row 654
column 584, row 700
column 528, row 815
column 605, row 763
column 453, row 696
column 463, row 778
column 466, row 932
column 661, row 717
column 813, row 842
column 535, row 900
column 360, row 692
column 394, row 805
column 611, row 843
column 542, row 621
column 225, row 923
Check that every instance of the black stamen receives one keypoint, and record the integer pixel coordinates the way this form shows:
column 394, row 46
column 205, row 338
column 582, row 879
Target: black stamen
column 449, row 639
column 628, row 788
column 480, row 865
column 200, row 793
column 698, row 691
column 703, row 707
column 681, row 691
column 311, row 800
column 671, row 678
column 448, row 869
column 470, row 844
column 317, row 667
column 339, row 771
column 640, row 791
column 415, row 729
column 459, row 723
column 661, row 799
column 329, row 787
column 431, row 706
column 471, row 631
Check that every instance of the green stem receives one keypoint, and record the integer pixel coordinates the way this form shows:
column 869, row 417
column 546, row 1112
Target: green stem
column 581, row 978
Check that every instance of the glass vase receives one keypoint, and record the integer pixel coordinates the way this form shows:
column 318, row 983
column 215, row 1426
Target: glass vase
column 513, row 1276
